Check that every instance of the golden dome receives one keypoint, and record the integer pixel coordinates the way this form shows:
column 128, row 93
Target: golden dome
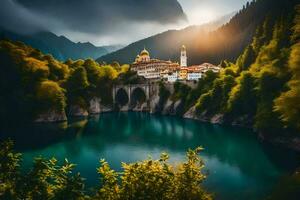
column 183, row 47
column 144, row 53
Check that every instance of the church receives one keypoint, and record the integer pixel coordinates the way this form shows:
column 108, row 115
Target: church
column 152, row 68
column 167, row 70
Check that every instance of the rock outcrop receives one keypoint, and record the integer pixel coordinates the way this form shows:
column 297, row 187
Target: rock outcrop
column 51, row 116
column 141, row 107
column 168, row 108
column 77, row 111
column 155, row 106
column 217, row 119
column 94, row 106
column 191, row 114
column 104, row 108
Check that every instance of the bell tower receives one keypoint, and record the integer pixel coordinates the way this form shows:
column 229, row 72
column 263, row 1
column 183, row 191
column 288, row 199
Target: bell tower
column 183, row 57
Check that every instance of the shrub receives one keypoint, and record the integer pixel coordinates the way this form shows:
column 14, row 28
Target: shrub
column 148, row 179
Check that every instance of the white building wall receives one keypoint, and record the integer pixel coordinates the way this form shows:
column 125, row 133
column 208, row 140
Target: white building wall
column 194, row 76
column 173, row 77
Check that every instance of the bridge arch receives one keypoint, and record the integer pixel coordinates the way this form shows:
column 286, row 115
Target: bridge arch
column 122, row 97
column 138, row 97
column 137, row 94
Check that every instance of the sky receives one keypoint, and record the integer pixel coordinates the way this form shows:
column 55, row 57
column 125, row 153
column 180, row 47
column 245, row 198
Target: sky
column 107, row 22
column 202, row 11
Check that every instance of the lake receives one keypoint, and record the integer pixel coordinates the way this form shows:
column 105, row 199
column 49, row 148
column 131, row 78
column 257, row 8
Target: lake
column 239, row 166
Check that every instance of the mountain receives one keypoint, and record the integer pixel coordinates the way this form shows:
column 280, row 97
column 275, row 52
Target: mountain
column 204, row 44
column 165, row 45
column 59, row 46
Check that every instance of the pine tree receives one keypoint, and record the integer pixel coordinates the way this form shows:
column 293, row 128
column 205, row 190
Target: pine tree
column 288, row 102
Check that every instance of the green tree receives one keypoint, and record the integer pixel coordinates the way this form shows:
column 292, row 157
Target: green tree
column 296, row 28
column 49, row 95
column 246, row 59
column 58, row 70
column 155, row 179
column 9, row 170
column 148, row 179
column 242, row 98
column 286, row 104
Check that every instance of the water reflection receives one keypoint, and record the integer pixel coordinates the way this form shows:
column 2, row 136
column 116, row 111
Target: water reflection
column 239, row 166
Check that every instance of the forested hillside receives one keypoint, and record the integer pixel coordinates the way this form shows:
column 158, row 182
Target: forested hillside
column 32, row 83
column 261, row 89
column 227, row 42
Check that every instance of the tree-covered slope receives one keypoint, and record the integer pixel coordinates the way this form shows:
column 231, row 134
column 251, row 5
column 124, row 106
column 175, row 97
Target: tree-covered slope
column 227, row 42
column 261, row 88
column 32, row 83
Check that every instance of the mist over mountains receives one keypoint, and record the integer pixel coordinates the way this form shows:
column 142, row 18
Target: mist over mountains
column 225, row 42
column 59, row 46
column 166, row 45
column 101, row 22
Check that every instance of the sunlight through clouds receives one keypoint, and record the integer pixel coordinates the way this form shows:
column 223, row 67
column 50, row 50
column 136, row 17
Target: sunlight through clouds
column 203, row 11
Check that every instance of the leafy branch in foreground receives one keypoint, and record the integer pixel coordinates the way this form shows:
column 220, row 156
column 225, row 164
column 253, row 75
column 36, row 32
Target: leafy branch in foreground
column 148, row 179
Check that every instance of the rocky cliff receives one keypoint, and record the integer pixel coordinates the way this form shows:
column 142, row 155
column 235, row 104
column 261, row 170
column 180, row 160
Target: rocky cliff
column 167, row 106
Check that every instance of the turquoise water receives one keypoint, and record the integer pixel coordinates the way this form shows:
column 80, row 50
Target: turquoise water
column 239, row 166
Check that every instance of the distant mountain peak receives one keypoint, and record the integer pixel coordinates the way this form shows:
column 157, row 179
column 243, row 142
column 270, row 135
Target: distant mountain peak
column 60, row 47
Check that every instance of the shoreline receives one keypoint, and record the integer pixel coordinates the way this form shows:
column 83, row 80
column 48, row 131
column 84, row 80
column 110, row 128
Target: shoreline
column 285, row 142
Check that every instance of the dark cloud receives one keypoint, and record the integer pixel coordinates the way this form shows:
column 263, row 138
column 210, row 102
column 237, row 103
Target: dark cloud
column 16, row 18
column 94, row 16
column 98, row 21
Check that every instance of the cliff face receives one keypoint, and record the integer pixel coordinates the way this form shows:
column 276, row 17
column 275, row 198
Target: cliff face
column 77, row 111
column 157, row 105
column 95, row 107
column 191, row 114
column 166, row 107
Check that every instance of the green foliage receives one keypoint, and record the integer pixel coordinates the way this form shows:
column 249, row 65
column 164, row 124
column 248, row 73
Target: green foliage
column 287, row 104
column 214, row 101
column 44, row 83
column 9, row 170
column 127, row 76
column 58, row 70
column 296, row 28
column 93, row 71
column 164, row 93
column 50, row 95
column 48, row 180
column 204, row 85
column 109, row 183
column 242, row 98
column 246, row 59
column 262, row 87
column 148, row 179
column 78, row 80
column 180, row 91
column 35, row 69
column 155, row 179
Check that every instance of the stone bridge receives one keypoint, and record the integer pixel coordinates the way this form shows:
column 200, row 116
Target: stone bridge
column 133, row 97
